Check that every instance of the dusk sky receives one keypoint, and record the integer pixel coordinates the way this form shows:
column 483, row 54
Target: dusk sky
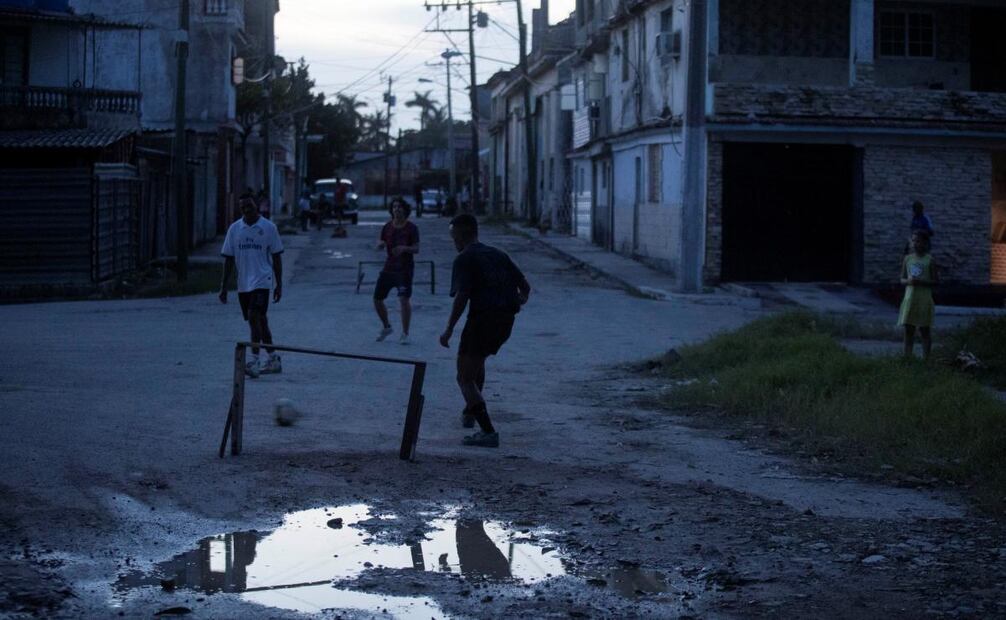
column 354, row 45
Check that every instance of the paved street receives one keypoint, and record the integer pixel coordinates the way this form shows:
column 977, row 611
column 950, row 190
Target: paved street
column 113, row 412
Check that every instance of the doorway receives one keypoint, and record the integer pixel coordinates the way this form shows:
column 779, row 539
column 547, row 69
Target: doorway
column 787, row 212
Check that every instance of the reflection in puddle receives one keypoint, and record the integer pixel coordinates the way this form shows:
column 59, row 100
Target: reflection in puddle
column 293, row 566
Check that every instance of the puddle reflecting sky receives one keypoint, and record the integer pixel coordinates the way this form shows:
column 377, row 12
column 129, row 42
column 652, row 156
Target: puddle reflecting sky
column 293, row 566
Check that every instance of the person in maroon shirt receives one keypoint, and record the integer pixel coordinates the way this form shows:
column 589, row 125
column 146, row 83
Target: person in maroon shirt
column 400, row 238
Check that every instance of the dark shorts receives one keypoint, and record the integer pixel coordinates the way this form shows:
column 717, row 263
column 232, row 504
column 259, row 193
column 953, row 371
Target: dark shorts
column 484, row 334
column 397, row 280
column 254, row 300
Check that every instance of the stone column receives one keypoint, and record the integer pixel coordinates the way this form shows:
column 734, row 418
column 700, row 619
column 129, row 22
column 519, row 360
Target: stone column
column 861, row 42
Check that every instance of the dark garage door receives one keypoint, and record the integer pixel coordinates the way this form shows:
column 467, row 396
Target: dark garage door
column 787, row 212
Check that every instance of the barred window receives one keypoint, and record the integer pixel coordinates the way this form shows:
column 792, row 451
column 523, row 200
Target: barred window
column 905, row 34
column 655, row 157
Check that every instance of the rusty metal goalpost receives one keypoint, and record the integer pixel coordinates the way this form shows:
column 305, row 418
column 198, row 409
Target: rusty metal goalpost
column 234, row 426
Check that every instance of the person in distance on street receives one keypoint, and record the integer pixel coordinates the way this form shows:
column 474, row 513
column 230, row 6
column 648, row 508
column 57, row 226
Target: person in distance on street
column 493, row 288
column 254, row 248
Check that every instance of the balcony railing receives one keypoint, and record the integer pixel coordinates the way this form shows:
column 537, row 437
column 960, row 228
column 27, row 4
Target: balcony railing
column 70, row 99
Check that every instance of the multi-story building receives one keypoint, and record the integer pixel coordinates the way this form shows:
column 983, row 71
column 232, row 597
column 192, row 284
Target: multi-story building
column 88, row 94
column 68, row 183
column 827, row 119
column 550, row 124
column 814, row 126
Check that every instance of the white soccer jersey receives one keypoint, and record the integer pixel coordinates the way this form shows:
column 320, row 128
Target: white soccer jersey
column 252, row 248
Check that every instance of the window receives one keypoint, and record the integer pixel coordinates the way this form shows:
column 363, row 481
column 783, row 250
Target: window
column 654, row 164
column 904, row 34
column 625, row 54
column 13, row 58
column 667, row 20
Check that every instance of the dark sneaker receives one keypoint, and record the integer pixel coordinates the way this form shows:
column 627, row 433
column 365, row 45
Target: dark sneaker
column 482, row 440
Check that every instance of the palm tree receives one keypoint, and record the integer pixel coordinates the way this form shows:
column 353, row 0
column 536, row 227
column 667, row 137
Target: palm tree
column 374, row 129
column 427, row 106
column 352, row 106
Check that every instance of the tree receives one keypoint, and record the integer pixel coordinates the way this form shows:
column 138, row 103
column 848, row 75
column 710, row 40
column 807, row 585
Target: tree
column 427, row 106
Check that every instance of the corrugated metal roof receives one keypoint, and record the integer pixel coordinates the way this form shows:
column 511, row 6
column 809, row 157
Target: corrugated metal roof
column 9, row 14
column 62, row 138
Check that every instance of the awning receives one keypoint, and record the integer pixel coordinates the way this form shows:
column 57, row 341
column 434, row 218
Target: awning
column 62, row 138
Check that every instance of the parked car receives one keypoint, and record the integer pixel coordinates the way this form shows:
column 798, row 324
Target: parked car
column 432, row 203
column 324, row 193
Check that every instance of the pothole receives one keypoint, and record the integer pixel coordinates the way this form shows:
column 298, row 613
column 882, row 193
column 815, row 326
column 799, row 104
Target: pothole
column 294, row 566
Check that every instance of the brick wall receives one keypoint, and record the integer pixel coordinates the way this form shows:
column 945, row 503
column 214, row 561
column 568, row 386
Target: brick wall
column 998, row 263
column 861, row 105
column 955, row 184
column 714, row 212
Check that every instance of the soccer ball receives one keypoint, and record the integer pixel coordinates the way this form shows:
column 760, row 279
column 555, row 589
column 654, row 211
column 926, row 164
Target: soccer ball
column 285, row 412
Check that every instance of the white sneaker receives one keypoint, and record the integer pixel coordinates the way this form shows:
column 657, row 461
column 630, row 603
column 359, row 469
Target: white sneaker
column 252, row 368
column 403, row 339
column 385, row 332
column 273, row 366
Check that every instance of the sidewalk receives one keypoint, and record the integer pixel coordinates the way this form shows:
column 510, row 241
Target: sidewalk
column 630, row 274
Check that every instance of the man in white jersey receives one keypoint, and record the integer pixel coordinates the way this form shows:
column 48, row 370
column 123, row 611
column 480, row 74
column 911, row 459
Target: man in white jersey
column 253, row 246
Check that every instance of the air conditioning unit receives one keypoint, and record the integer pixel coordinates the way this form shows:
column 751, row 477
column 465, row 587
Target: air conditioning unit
column 669, row 45
column 594, row 112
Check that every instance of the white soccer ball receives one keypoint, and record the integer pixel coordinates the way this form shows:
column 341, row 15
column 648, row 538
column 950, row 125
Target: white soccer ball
column 285, row 412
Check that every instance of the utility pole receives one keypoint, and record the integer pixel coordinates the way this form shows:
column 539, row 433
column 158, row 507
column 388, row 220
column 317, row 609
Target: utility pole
column 476, row 203
column 532, row 163
column 695, row 151
column 270, row 65
column 447, row 55
column 398, row 171
column 390, row 99
column 181, row 149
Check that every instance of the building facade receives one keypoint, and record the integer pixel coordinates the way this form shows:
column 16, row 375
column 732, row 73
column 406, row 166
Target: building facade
column 778, row 140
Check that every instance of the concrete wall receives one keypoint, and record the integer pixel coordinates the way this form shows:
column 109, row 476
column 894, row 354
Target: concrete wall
column 955, row 184
column 645, row 228
column 779, row 70
column 922, row 73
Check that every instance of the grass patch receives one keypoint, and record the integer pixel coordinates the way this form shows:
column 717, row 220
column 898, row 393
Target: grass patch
column 163, row 281
column 923, row 419
column 986, row 338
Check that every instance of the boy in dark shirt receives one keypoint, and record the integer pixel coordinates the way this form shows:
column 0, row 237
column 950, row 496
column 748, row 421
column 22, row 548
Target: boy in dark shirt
column 494, row 289
column 400, row 238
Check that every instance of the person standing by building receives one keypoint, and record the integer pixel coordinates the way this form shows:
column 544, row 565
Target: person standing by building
column 493, row 288
column 304, row 210
column 919, row 274
column 253, row 246
column 921, row 221
column 400, row 238
column 264, row 204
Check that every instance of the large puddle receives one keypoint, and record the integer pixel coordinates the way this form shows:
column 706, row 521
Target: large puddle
column 294, row 566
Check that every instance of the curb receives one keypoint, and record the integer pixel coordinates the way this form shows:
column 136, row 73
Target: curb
column 570, row 258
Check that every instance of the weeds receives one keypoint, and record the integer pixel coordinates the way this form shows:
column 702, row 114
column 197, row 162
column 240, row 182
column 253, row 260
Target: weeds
column 922, row 419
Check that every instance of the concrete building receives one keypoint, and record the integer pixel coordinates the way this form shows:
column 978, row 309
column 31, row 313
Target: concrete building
column 68, row 180
column 814, row 125
column 826, row 120
column 551, row 122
